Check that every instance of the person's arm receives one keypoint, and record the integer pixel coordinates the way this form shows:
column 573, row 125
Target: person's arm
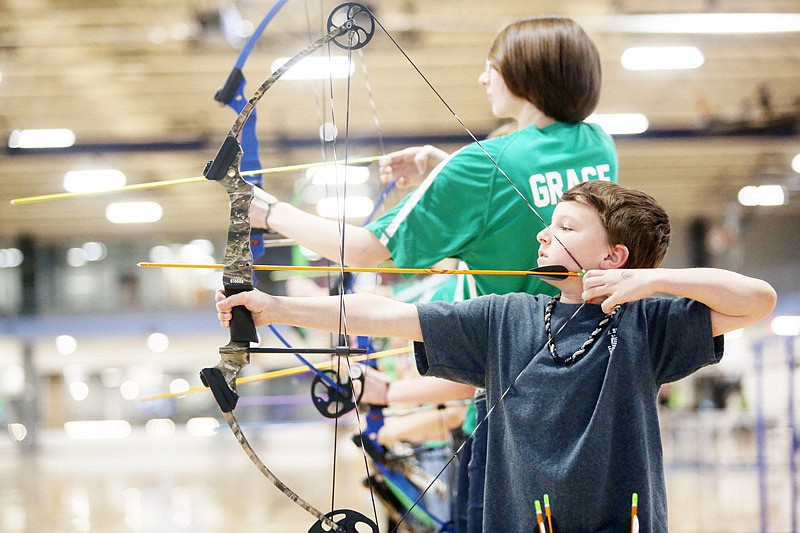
column 417, row 428
column 735, row 300
column 366, row 314
column 380, row 390
column 362, row 248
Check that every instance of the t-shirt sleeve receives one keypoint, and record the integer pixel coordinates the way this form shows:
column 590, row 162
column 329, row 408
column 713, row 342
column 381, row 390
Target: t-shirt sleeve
column 455, row 340
column 442, row 215
column 680, row 338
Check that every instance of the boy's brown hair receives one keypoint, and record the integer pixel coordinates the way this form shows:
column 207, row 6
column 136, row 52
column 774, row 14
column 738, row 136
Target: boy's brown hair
column 632, row 218
column 552, row 63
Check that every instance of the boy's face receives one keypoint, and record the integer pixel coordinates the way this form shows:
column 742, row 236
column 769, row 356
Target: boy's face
column 579, row 229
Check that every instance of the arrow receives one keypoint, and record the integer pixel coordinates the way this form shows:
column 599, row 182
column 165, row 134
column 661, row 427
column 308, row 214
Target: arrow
column 184, row 181
column 284, row 372
column 555, row 272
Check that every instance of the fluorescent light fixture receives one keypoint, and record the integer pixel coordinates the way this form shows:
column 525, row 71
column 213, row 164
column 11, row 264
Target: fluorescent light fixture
column 97, row 429
column 17, row 431
column 45, row 138
column 337, row 174
column 79, row 390
column 178, row 386
column 133, row 212
column 316, row 68
column 94, row 251
column 66, row 344
column 620, row 123
column 328, row 132
column 93, row 180
column 157, row 342
column 10, row 257
column 786, row 326
column 202, row 427
column 796, row 163
column 12, row 380
column 662, row 58
column 706, row 23
column 767, row 195
column 353, row 206
column 129, row 390
column 160, row 427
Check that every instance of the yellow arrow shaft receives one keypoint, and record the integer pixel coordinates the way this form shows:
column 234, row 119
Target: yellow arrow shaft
column 357, row 270
column 183, row 181
column 284, row 372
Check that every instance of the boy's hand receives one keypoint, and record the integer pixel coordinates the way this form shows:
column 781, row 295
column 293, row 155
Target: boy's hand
column 255, row 301
column 616, row 286
column 410, row 166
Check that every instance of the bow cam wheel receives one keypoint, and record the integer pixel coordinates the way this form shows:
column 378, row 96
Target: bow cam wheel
column 350, row 521
column 332, row 402
column 358, row 21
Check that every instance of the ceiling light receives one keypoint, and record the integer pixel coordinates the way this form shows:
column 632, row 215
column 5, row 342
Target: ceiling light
column 66, row 344
column 97, row 429
column 316, row 68
column 796, row 163
column 178, row 386
column 93, row 180
column 662, row 58
column 336, row 174
column 11, row 257
column 76, row 257
column 202, row 427
column 353, row 206
column 129, row 390
column 160, row 427
column 620, row 123
column 94, row 251
column 45, row 138
column 157, row 342
column 787, row 325
column 328, row 132
column 766, row 195
column 716, row 23
column 133, row 212
column 17, row 431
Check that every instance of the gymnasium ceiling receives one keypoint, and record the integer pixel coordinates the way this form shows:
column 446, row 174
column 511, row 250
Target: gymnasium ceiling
column 135, row 80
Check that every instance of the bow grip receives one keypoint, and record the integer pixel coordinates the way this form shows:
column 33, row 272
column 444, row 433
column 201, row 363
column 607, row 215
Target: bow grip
column 242, row 327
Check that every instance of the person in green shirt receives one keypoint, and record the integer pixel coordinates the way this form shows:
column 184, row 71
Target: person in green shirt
column 478, row 204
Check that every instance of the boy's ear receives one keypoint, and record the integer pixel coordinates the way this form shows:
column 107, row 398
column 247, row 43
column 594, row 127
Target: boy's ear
column 616, row 258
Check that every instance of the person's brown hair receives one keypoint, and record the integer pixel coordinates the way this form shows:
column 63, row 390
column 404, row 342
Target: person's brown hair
column 552, row 63
column 632, row 218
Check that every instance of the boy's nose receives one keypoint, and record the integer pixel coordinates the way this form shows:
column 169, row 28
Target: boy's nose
column 543, row 236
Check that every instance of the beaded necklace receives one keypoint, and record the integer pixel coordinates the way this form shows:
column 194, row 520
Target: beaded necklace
column 548, row 312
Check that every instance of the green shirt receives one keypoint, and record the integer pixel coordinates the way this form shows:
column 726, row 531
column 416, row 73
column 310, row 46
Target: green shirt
column 466, row 209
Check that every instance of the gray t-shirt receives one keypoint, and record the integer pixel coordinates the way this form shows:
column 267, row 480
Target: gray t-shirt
column 587, row 433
